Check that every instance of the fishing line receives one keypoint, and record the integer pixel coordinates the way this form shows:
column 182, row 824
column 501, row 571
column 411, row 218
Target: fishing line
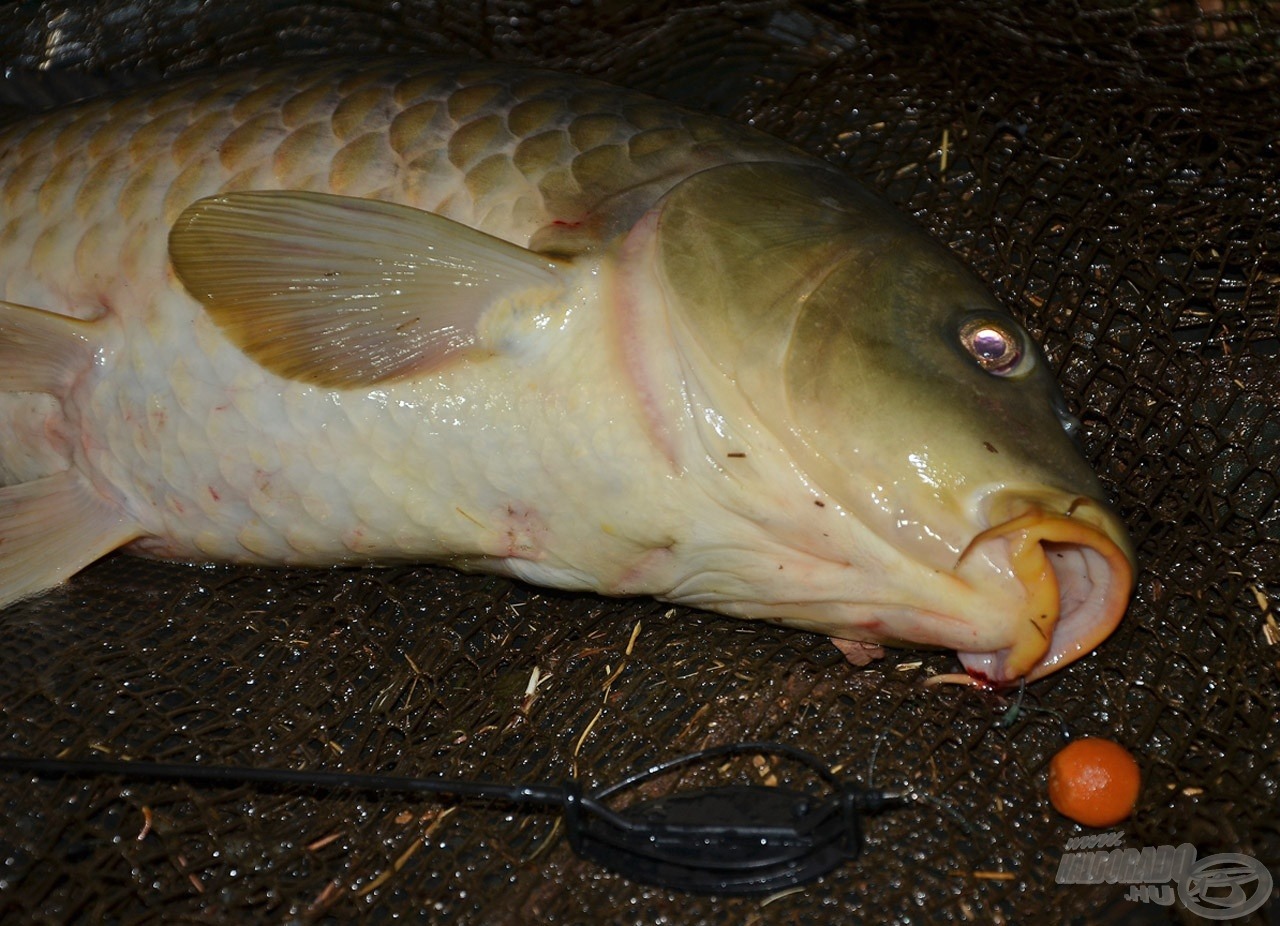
column 914, row 795
column 727, row 839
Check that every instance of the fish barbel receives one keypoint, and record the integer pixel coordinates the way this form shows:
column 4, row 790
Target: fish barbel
column 364, row 311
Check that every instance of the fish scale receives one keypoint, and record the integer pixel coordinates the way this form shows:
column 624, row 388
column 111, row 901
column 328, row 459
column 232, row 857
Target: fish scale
column 375, row 310
column 150, row 157
column 421, row 134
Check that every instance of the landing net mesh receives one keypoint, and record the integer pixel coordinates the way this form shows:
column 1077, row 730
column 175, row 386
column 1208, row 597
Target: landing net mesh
column 1112, row 170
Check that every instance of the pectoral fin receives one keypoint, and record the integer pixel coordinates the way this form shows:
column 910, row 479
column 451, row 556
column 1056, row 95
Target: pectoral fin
column 344, row 292
column 50, row 529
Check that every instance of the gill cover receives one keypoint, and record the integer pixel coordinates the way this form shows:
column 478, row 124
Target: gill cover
column 904, row 392
column 841, row 323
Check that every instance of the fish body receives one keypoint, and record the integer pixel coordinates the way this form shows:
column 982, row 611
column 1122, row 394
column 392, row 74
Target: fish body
column 369, row 311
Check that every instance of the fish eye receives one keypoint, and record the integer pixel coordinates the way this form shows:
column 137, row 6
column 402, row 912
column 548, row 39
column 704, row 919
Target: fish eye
column 995, row 344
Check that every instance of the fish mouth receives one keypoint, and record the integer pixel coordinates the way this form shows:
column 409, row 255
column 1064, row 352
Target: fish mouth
column 1077, row 572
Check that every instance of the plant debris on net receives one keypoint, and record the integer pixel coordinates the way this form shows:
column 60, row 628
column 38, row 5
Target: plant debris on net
column 1111, row 169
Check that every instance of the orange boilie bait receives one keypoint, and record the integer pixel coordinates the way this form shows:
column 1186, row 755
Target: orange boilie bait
column 1094, row 782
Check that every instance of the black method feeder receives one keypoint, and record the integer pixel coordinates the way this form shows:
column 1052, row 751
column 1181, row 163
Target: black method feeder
column 728, row 839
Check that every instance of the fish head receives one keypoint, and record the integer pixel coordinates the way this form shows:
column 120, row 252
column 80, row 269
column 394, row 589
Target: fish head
column 914, row 476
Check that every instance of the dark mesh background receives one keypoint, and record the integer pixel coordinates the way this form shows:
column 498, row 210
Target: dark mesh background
column 1112, row 169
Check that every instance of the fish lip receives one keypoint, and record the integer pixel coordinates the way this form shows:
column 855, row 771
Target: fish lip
column 1078, row 572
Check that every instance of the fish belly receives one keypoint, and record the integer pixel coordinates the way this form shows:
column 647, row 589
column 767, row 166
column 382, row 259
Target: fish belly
column 535, row 458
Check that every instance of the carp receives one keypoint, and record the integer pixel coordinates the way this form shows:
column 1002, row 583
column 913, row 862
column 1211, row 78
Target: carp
column 365, row 311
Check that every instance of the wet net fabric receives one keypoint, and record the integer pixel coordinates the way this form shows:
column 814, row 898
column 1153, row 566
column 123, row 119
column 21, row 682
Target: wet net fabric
column 1111, row 169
